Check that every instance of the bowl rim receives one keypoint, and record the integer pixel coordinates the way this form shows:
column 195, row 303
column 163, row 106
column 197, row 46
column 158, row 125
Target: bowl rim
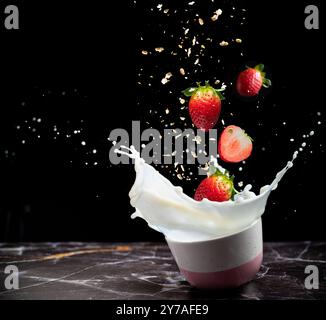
column 214, row 239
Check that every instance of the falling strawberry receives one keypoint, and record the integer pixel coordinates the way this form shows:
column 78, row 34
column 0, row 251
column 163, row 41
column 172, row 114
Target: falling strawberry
column 234, row 144
column 251, row 80
column 204, row 105
column 216, row 187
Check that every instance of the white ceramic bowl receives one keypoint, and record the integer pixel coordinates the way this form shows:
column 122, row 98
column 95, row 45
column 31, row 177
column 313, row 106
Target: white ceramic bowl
column 222, row 262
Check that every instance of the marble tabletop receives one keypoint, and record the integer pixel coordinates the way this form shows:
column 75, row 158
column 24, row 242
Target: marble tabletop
column 146, row 271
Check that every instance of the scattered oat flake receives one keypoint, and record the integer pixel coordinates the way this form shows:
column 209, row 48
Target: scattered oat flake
column 205, row 167
column 182, row 118
column 182, row 101
column 201, row 21
column 193, row 154
column 182, row 71
column 217, row 13
column 237, row 40
column 224, row 43
column 167, row 111
column 180, row 177
column 166, row 78
column 144, row 52
column 197, row 139
column 159, row 49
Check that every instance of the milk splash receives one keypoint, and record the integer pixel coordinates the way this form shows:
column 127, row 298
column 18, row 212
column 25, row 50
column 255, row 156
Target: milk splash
column 168, row 210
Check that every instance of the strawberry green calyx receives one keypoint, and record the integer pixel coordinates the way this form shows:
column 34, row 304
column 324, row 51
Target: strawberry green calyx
column 192, row 90
column 230, row 130
column 260, row 67
column 189, row 91
column 266, row 82
column 215, row 171
column 247, row 135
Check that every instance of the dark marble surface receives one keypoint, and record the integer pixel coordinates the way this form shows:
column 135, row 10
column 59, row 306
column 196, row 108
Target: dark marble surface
column 148, row 271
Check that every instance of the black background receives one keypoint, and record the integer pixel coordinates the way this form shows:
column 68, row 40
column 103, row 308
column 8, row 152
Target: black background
column 79, row 66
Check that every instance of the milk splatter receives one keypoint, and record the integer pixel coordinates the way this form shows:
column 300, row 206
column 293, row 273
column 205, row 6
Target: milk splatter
column 168, row 210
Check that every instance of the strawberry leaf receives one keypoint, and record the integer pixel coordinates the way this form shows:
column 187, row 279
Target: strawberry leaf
column 189, row 91
column 234, row 192
column 267, row 83
column 219, row 94
column 251, row 139
column 260, row 67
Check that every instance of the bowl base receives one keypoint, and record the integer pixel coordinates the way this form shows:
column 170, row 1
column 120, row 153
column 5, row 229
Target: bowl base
column 230, row 278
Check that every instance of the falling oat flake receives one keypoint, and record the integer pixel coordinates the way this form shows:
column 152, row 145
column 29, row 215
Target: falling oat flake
column 224, row 43
column 217, row 13
column 166, row 78
column 159, row 49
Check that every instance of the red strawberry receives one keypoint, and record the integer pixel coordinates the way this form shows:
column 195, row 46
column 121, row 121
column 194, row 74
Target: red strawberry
column 204, row 105
column 234, row 144
column 251, row 80
column 217, row 187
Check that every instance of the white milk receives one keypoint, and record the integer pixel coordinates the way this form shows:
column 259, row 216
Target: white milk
column 168, row 210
